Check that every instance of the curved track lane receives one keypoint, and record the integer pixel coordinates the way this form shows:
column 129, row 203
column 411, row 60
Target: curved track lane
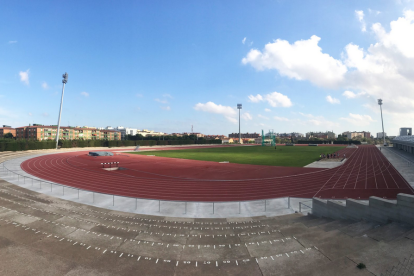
column 366, row 173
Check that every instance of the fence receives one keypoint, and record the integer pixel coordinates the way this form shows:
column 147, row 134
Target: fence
column 78, row 193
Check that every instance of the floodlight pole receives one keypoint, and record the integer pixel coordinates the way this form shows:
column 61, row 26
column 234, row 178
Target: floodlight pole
column 382, row 121
column 239, row 106
column 64, row 81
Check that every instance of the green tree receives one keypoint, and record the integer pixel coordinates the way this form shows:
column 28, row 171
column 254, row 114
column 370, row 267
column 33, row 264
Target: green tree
column 8, row 136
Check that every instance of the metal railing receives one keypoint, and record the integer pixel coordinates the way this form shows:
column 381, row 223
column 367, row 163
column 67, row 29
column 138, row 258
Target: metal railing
column 306, row 207
column 53, row 186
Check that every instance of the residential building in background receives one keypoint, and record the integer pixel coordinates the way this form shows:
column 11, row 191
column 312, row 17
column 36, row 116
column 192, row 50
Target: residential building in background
column 321, row 135
column 41, row 132
column 406, row 131
column 7, row 129
column 126, row 131
column 356, row 134
column 290, row 135
column 379, row 135
column 244, row 135
column 215, row 137
column 146, row 132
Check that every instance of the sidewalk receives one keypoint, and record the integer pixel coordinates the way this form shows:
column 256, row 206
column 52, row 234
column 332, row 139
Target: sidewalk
column 402, row 161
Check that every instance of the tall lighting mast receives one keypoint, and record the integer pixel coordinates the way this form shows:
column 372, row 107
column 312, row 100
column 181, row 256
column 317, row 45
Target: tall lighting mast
column 64, row 81
column 239, row 106
column 382, row 121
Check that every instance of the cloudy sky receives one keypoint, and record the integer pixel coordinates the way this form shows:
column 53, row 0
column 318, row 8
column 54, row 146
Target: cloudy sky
column 167, row 65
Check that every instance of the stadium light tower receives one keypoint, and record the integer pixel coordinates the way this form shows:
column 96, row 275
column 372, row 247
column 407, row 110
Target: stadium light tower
column 239, row 106
column 382, row 121
column 64, row 81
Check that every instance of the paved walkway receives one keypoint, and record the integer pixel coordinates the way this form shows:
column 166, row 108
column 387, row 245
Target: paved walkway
column 402, row 161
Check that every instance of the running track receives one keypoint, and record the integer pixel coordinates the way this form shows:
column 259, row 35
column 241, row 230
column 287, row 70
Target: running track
column 366, row 173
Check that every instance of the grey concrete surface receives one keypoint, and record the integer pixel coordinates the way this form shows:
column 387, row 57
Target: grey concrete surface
column 326, row 163
column 402, row 161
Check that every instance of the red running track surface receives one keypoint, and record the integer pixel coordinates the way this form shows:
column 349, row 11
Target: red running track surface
column 366, row 173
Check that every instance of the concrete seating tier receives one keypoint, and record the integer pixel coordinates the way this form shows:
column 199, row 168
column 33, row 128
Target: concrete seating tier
column 43, row 235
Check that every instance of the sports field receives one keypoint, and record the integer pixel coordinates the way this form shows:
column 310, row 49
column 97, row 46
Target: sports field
column 256, row 155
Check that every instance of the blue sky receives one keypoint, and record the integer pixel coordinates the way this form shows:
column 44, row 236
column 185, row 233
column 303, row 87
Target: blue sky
column 166, row 65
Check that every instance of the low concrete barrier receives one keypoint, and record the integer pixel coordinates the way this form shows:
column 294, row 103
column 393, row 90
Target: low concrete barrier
column 377, row 210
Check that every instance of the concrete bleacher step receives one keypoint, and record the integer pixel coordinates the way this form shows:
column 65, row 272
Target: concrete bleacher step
column 383, row 255
column 339, row 267
column 336, row 224
column 359, row 228
column 389, row 231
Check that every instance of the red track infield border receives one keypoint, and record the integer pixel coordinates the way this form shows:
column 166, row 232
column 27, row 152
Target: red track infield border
column 366, row 173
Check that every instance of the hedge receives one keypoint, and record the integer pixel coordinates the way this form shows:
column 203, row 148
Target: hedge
column 21, row 145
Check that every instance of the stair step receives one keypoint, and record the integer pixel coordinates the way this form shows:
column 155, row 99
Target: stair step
column 337, row 224
column 359, row 228
column 389, row 231
column 383, row 256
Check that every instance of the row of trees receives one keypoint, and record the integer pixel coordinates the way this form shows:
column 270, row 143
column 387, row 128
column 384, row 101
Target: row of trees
column 163, row 137
column 19, row 145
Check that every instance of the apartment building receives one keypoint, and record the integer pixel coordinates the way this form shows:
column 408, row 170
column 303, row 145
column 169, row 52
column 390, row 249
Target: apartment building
column 7, row 129
column 40, row 132
column 356, row 134
column 321, row 135
column 244, row 135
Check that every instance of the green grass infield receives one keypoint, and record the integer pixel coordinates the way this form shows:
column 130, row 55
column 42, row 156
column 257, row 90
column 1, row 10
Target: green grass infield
column 288, row 156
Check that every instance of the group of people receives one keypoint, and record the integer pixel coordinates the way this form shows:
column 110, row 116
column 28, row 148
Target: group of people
column 329, row 155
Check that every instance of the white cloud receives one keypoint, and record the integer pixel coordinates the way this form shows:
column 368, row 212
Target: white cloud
column 267, row 110
column 165, row 108
column 45, row 85
column 161, row 101
column 374, row 12
column 139, row 95
column 256, row 99
column 244, row 40
column 360, row 16
column 85, row 94
column 12, row 41
column 318, row 121
column 246, row 116
column 349, row 95
column 331, row 100
column 275, row 99
column 281, row 119
column 358, row 120
column 30, row 114
column 263, row 117
column 228, row 112
column 302, row 60
column 167, row 96
column 24, row 76
column 383, row 70
column 45, row 114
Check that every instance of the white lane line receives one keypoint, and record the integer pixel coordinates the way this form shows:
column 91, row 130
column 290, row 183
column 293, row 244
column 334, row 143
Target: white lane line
column 272, row 258
column 104, row 251
column 157, row 261
column 237, row 263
